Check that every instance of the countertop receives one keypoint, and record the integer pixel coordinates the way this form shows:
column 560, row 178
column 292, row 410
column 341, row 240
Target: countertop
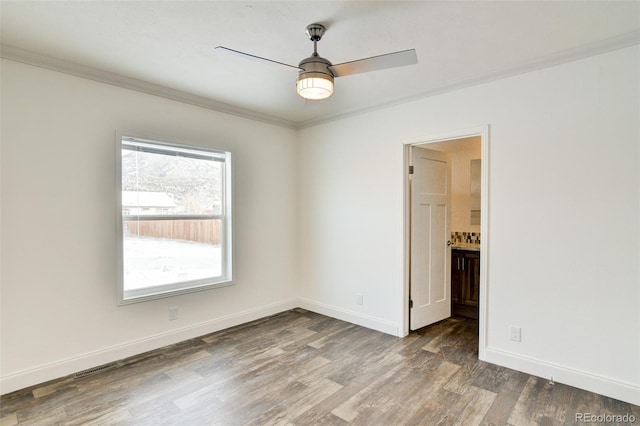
column 468, row 247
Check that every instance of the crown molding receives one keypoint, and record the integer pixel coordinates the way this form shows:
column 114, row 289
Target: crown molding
column 15, row 54
column 47, row 62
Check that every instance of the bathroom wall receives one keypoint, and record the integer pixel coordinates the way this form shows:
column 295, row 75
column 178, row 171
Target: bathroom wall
column 460, row 153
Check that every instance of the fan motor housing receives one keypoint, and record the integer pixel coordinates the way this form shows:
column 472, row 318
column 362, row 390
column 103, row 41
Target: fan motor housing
column 315, row 66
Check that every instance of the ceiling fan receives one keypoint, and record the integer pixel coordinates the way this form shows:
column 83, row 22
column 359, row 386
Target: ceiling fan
column 316, row 74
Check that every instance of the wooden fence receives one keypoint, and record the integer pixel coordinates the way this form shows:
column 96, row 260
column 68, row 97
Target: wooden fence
column 201, row 231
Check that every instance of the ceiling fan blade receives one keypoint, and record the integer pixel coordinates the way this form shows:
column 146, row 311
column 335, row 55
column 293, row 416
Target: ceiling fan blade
column 375, row 63
column 250, row 56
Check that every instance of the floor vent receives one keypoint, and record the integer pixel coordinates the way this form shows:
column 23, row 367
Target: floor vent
column 96, row 370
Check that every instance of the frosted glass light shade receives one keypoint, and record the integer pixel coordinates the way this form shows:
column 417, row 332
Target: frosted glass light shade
column 315, row 86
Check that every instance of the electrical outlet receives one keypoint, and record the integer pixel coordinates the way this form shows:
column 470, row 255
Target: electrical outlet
column 173, row 313
column 516, row 334
column 359, row 299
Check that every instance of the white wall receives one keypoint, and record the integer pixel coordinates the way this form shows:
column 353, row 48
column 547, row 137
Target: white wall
column 59, row 312
column 564, row 192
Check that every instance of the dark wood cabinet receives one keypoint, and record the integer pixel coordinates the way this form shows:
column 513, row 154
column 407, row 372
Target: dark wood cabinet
column 465, row 282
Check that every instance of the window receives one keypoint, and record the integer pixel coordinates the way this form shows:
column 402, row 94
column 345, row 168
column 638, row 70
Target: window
column 175, row 219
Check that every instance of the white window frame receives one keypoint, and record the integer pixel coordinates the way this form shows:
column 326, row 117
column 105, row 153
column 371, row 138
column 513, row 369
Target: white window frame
column 139, row 295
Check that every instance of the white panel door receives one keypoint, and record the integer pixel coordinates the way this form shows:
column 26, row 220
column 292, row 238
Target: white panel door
column 430, row 255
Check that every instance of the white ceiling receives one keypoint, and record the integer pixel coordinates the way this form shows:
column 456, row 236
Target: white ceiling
column 170, row 44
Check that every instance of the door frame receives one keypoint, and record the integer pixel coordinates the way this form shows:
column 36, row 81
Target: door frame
column 483, row 133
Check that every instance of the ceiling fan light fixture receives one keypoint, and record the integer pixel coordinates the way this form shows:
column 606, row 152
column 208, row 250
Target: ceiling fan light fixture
column 315, row 79
column 314, row 86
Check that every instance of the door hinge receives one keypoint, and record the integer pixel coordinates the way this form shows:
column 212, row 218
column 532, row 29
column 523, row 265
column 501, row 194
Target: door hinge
column 410, row 303
column 410, row 170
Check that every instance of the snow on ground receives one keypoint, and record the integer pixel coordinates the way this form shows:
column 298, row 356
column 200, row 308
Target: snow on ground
column 157, row 261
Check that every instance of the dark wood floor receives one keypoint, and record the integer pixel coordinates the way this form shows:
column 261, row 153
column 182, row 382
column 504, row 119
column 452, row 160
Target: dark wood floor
column 302, row 368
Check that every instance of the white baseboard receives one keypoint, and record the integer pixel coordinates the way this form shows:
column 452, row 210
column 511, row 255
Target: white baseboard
column 65, row 367
column 617, row 389
column 353, row 317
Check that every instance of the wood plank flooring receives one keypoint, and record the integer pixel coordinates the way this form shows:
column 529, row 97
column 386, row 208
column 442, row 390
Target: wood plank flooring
column 302, row 368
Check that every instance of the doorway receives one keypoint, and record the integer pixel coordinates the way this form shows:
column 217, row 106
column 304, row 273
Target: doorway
column 459, row 218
